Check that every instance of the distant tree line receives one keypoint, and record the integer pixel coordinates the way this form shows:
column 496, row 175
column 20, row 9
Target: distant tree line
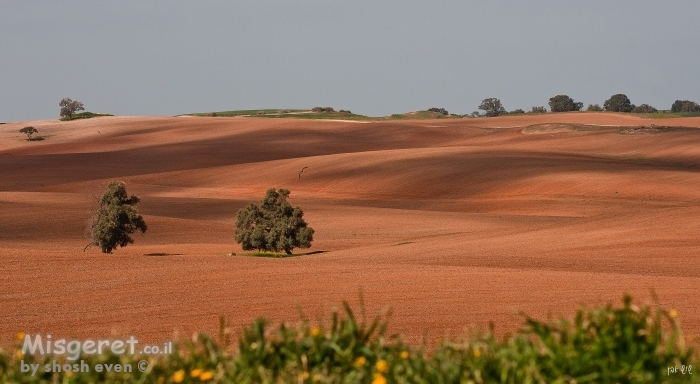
column 322, row 109
column 441, row 111
column 563, row 103
column 685, row 106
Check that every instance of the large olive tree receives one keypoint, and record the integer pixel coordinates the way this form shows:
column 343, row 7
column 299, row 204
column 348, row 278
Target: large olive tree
column 274, row 225
column 115, row 219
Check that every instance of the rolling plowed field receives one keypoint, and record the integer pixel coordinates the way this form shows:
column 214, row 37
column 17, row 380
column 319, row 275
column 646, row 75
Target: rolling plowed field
column 450, row 223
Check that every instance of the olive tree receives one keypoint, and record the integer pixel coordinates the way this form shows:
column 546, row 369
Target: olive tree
column 492, row 107
column 115, row 219
column 274, row 225
column 70, row 107
column 564, row 103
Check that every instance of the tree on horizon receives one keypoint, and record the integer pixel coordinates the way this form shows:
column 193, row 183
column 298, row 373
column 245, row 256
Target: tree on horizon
column 492, row 107
column 69, row 107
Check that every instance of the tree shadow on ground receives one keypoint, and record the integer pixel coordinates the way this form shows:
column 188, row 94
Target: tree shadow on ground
column 312, row 253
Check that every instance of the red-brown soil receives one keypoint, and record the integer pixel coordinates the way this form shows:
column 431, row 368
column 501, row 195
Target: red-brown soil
column 450, row 223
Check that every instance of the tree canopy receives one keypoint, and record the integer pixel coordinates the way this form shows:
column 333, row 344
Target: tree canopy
column 69, row 107
column 29, row 131
column 441, row 111
column 618, row 103
column 492, row 107
column 274, row 225
column 685, row 106
column 564, row 103
column 116, row 219
column 644, row 108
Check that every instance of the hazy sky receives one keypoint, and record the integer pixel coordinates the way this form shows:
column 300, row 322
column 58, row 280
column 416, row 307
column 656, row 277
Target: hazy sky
column 373, row 57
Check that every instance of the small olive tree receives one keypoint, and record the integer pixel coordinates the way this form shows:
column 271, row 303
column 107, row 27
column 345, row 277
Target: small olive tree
column 274, row 225
column 29, row 131
column 69, row 107
column 594, row 108
column 115, row 219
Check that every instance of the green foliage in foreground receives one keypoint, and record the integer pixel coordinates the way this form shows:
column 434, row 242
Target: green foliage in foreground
column 627, row 344
column 84, row 115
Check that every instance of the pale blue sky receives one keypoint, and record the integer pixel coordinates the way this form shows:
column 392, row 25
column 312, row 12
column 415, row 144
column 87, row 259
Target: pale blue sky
column 374, row 57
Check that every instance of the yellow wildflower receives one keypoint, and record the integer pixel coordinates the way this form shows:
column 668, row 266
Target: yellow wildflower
column 673, row 313
column 381, row 366
column 20, row 336
column 206, row 376
column 360, row 361
column 317, row 377
column 69, row 373
column 179, row 376
column 477, row 353
column 161, row 380
column 379, row 379
column 315, row 331
column 196, row 372
column 304, row 376
column 404, row 355
column 19, row 354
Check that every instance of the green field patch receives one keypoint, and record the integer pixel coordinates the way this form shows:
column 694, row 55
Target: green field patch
column 84, row 115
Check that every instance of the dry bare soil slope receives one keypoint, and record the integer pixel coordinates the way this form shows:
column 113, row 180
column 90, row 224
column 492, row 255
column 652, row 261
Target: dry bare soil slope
column 450, row 223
